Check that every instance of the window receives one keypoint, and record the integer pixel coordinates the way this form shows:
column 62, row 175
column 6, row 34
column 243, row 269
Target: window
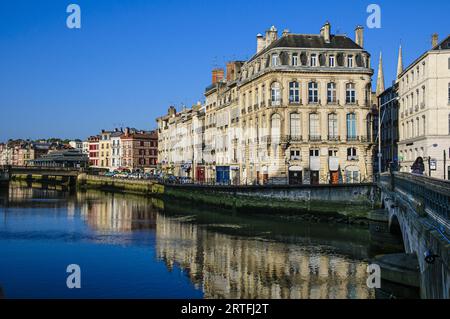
column 352, row 154
column 294, row 92
column 313, row 92
column 332, row 61
column 332, row 153
column 448, row 93
column 313, row 60
column 331, row 93
column 276, row 94
column 263, row 91
column 275, row 60
column 276, row 128
column 295, row 59
column 314, row 126
column 332, row 126
column 295, row 125
column 350, row 61
column 256, row 96
column 295, row 155
column 350, row 96
column 351, row 126
column 314, row 152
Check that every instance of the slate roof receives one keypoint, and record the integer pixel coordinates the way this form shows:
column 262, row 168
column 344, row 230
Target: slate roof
column 311, row 42
column 444, row 45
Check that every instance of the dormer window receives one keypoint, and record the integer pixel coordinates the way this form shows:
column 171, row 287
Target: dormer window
column 313, row 60
column 295, row 59
column 332, row 61
column 274, row 59
column 350, row 61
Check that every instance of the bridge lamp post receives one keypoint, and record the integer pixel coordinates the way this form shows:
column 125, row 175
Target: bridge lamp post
column 429, row 158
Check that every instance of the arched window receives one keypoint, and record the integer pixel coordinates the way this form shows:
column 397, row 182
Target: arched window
column 331, row 93
column 276, row 94
column 274, row 59
column 295, row 126
column 314, row 129
column 295, row 59
column 369, row 126
column 313, row 93
column 351, row 127
column 350, row 96
column 332, row 127
column 275, row 128
column 294, row 92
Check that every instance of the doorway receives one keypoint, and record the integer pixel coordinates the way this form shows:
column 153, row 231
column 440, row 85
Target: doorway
column 315, row 178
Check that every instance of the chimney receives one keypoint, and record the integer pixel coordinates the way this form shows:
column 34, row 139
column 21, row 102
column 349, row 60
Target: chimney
column 217, row 75
column 260, row 43
column 172, row 111
column 285, row 32
column 271, row 35
column 359, row 36
column 435, row 40
column 325, row 32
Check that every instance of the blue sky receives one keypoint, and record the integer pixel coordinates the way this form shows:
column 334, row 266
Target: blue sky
column 132, row 59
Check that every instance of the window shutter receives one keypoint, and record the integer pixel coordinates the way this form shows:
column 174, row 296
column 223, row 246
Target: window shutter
column 322, row 60
column 359, row 60
column 340, row 59
column 303, row 58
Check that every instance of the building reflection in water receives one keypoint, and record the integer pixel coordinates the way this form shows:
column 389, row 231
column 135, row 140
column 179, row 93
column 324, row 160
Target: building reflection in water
column 221, row 264
column 116, row 213
column 226, row 266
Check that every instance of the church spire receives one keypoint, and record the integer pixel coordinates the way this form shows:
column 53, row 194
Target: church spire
column 400, row 62
column 380, row 78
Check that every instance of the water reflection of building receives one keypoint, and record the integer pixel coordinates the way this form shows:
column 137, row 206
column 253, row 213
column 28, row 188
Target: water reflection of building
column 115, row 212
column 230, row 267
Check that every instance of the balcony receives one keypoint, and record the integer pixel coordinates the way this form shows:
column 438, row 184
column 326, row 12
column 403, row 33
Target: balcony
column 276, row 103
column 292, row 102
column 315, row 138
column 333, row 102
column 353, row 138
column 291, row 139
column 334, row 138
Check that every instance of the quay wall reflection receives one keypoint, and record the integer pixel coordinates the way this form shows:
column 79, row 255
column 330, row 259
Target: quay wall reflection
column 228, row 267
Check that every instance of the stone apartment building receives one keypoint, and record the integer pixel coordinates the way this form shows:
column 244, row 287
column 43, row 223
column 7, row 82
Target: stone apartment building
column 139, row 150
column 299, row 111
column 424, row 98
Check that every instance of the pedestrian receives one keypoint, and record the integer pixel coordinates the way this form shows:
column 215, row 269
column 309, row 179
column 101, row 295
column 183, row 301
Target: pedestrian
column 418, row 167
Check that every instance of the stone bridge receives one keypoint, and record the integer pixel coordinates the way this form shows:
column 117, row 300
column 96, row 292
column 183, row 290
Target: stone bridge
column 418, row 208
column 69, row 174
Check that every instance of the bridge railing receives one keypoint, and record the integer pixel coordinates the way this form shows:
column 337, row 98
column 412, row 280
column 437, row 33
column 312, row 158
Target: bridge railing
column 433, row 193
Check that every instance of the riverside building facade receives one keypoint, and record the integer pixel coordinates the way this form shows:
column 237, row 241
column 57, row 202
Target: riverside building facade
column 424, row 97
column 298, row 112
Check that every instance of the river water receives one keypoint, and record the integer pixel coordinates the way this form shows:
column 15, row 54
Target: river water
column 136, row 247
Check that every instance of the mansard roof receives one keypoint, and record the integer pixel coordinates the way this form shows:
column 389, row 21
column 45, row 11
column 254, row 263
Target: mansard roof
column 308, row 41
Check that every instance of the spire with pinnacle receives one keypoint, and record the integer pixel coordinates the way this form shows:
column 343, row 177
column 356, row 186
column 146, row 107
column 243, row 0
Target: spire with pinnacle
column 380, row 78
column 400, row 62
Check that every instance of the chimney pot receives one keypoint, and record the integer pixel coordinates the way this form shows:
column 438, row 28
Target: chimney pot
column 217, row 75
column 435, row 40
column 359, row 36
column 325, row 32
